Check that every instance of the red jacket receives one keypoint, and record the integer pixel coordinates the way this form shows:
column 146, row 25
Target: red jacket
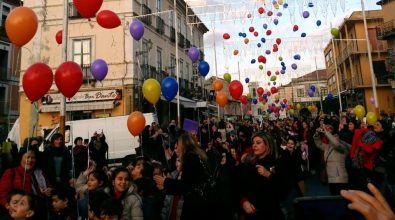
column 369, row 149
column 13, row 178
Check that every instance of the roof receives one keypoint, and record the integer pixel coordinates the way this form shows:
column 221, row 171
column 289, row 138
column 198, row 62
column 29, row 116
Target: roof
column 383, row 2
column 312, row 76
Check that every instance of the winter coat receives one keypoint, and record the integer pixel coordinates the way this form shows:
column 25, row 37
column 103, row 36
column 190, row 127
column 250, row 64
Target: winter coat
column 335, row 153
column 65, row 170
column 168, row 202
column 132, row 205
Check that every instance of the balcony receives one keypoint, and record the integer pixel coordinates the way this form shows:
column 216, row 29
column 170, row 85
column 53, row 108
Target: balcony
column 187, row 43
column 386, row 30
column 87, row 75
column 73, row 12
column 146, row 11
column 160, row 25
column 172, row 34
column 181, row 40
column 352, row 48
column 201, row 55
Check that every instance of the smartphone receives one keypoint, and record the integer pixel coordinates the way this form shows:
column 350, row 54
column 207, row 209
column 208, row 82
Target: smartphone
column 324, row 208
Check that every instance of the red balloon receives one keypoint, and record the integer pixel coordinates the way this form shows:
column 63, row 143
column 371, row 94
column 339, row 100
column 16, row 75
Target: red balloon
column 108, row 19
column 262, row 59
column 58, row 37
column 278, row 41
column 235, row 89
column 36, row 81
column 260, row 98
column 275, row 109
column 88, row 8
column 260, row 91
column 68, row 78
column 261, row 10
column 243, row 99
column 269, row 13
column 268, row 32
column 268, row 93
column 226, row 36
column 275, row 49
column 285, row 101
column 251, row 29
column 256, row 34
column 269, row 73
column 273, row 90
column 296, row 27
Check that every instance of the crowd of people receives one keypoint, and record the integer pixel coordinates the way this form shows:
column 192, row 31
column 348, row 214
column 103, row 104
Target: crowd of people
column 249, row 169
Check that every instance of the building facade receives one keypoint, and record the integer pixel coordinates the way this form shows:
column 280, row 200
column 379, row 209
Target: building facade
column 348, row 55
column 9, row 75
column 129, row 62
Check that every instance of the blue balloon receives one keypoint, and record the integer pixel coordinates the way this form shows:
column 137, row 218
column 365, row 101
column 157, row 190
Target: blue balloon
column 240, row 34
column 275, row 21
column 253, row 61
column 312, row 87
column 255, row 101
column 310, row 93
column 203, row 68
column 283, row 105
column 330, row 96
column 303, row 34
column 244, row 35
column 263, row 40
column 284, row 68
column 267, row 52
column 297, row 57
column 264, row 95
column 169, row 88
column 311, row 4
column 285, row 5
column 282, row 63
column 294, row 66
column 269, row 110
column 282, row 71
column 318, row 23
column 259, row 44
column 273, row 104
column 247, row 80
column 264, row 26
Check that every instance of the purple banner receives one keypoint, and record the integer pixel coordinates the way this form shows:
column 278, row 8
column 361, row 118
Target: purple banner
column 190, row 126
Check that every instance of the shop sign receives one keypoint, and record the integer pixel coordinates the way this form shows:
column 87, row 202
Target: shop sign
column 86, row 96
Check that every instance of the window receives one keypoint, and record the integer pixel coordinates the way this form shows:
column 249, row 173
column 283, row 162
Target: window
column 181, row 68
column 158, row 5
column 82, row 55
column 179, row 24
column 159, row 59
column 324, row 92
column 171, row 18
column 300, row 93
column 329, row 58
column 4, row 62
column 187, row 71
column 172, row 64
column 5, row 10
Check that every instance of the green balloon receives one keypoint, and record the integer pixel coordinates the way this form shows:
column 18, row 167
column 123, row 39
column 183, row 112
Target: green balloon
column 273, row 78
column 280, row 58
column 249, row 96
column 335, row 32
column 227, row 77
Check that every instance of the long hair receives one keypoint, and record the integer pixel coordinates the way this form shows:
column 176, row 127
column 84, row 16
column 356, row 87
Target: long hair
column 268, row 141
column 188, row 144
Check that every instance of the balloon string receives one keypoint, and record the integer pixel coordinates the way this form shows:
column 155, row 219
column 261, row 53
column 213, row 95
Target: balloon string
column 28, row 146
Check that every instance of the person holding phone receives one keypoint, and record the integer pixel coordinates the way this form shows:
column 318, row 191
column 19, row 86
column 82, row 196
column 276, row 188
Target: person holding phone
column 98, row 148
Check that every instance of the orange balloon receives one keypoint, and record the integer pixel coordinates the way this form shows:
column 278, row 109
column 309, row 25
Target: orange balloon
column 222, row 99
column 217, row 85
column 21, row 25
column 246, row 40
column 136, row 123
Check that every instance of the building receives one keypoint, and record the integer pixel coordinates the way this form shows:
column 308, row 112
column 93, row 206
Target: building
column 386, row 31
column 348, row 55
column 9, row 74
column 296, row 91
column 130, row 62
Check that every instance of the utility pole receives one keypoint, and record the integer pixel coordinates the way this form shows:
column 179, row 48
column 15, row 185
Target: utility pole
column 62, row 111
column 316, row 72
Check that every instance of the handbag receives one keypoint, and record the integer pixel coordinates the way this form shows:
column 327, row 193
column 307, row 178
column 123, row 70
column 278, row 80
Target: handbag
column 324, row 173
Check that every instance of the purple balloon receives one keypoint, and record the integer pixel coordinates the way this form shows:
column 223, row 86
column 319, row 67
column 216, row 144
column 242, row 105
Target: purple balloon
column 137, row 29
column 294, row 66
column 193, row 54
column 306, row 14
column 310, row 93
column 99, row 69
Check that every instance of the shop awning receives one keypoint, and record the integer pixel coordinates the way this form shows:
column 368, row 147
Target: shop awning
column 188, row 103
column 79, row 106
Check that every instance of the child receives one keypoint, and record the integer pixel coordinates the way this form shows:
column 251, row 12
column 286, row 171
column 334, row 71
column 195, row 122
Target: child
column 111, row 209
column 63, row 202
column 20, row 205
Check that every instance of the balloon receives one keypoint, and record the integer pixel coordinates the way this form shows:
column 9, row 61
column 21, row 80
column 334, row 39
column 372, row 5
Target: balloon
column 253, row 61
column 193, row 54
column 280, row 58
column 311, row 4
column 291, row 111
column 203, row 68
column 310, row 93
column 371, row 118
column 244, row 35
column 280, row 2
column 298, row 106
column 151, row 90
column 267, row 52
column 227, row 77
column 269, row 73
column 243, row 99
column 313, row 108
column 273, row 78
column 285, row 100
column 277, row 72
column 36, row 81
column 372, row 100
column 303, row 34
column 269, row 110
column 285, row 5
column 268, row 93
column 137, row 29
column 306, row 14
column 247, row 80
column 21, row 25
column 312, row 87
column 278, row 41
column 262, row 59
column 274, row 83
column 359, row 111
column 246, row 41
column 87, row 8
column 279, row 14
column 251, row 29
column 235, row 89
column 268, row 32
column 99, row 69
column 295, row 28
column 226, row 36
column 136, row 123
column 273, row 90
column 169, row 88
column 260, row 91
column 318, row 23
column 261, row 10
column 261, row 67
column 275, row 21
column 330, row 96
column 335, row 32
column 277, row 97
column 68, row 78
column 235, row 52
column 309, row 108
column 249, row 96
column 108, row 19
column 269, row 13
column 265, row 27
column 261, row 99
column 217, row 85
column 256, row 34
column 249, row 16
column 297, row 57
column 263, row 40
column 58, row 37
column 282, row 71
column 294, row 66
column 259, row 45
column 222, row 99
column 255, row 101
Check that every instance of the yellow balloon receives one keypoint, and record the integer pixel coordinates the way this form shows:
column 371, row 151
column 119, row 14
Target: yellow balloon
column 309, row 108
column 151, row 90
column 280, row 2
column 249, row 96
column 276, row 6
column 277, row 97
column 371, row 118
column 260, row 66
column 292, row 111
column 298, row 106
column 359, row 111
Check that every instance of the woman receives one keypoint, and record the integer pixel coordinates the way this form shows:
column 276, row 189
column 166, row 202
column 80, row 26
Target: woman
column 258, row 182
column 335, row 153
column 192, row 184
column 125, row 191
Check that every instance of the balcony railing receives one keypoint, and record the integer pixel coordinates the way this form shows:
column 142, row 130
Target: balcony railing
column 181, row 40
column 160, row 25
column 172, row 34
column 357, row 48
column 386, row 30
column 146, row 11
column 87, row 75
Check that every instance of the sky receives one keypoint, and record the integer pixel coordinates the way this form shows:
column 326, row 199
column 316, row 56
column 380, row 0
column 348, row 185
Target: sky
column 234, row 17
